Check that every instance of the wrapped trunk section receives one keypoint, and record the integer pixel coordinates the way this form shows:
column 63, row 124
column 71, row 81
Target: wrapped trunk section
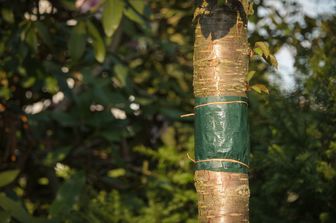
column 221, row 125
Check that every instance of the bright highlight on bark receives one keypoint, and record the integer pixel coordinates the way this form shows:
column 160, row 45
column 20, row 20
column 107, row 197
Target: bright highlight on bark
column 221, row 56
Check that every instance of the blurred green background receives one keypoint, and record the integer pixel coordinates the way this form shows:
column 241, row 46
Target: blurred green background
column 90, row 97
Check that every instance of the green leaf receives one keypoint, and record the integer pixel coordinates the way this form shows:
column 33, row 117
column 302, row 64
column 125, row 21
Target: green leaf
column 97, row 42
column 14, row 208
column 168, row 137
column 51, row 85
column 112, row 136
column 67, row 195
column 250, row 10
column 77, row 42
column 29, row 82
column 116, row 173
column 5, row 93
column 135, row 11
column 264, row 48
column 6, row 177
column 258, row 51
column 112, row 15
column 31, row 38
column 120, row 72
column 221, row 2
column 64, row 119
column 69, row 4
column 56, row 156
column 273, row 61
column 260, row 88
column 5, row 217
column 43, row 33
column 326, row 170
column 100, row 95
column 250, row 75
column 7, row 15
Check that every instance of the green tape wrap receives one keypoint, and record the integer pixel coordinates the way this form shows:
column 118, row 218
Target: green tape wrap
column 221, row 132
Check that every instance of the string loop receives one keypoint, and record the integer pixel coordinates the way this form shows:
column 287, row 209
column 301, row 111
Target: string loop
column 218, row 160
column 213, row 103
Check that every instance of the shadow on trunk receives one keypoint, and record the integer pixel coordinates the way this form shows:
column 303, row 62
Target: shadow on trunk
column 212, row 14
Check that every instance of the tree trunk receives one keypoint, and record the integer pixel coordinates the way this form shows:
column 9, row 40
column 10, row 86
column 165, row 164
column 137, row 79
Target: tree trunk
column 221, row 56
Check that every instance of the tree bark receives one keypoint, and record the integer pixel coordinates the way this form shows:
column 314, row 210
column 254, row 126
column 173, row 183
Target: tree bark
column 221, row 56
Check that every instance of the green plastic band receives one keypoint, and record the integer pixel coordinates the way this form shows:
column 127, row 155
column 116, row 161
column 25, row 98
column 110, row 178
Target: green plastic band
column 221, row 132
